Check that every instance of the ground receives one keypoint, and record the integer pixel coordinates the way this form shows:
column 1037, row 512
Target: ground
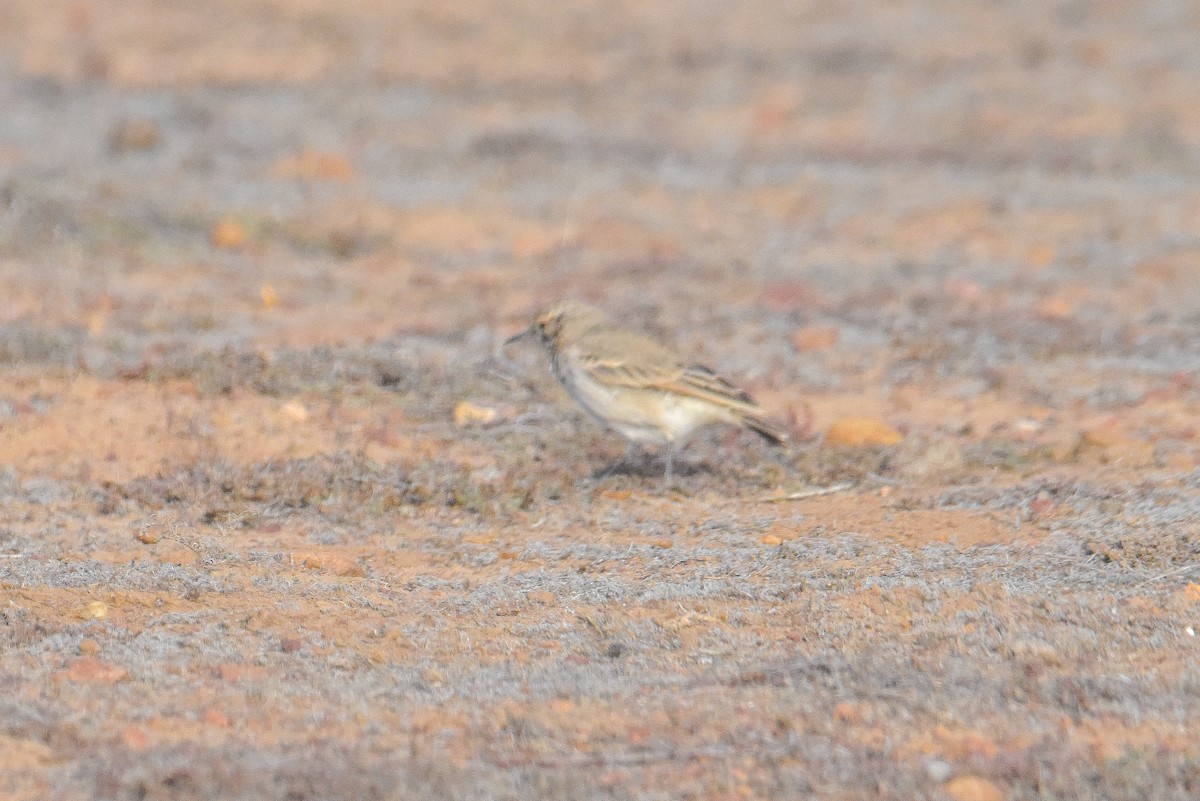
column 282, row 519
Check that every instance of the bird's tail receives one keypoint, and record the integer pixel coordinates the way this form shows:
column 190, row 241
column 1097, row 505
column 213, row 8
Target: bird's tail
column 764, row 429
column 700, row 382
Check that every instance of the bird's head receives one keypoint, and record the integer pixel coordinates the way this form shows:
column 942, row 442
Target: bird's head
column 561, row 322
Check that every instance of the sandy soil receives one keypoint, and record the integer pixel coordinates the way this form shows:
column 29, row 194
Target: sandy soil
column 255, row 257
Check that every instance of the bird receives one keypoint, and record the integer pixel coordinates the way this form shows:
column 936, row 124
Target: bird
column 637, row 386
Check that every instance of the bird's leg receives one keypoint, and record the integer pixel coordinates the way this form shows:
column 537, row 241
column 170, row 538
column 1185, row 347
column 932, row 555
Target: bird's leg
column 668, row 470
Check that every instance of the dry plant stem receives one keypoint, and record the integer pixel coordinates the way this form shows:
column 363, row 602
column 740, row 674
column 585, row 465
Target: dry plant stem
column 804, row 494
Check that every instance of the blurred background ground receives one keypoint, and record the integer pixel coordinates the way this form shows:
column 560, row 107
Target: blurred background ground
column 281, row 520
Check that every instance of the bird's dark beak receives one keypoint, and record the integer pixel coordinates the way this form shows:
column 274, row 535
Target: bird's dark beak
column 528, row 332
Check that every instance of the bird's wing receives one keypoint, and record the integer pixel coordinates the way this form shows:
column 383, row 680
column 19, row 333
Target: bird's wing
column 628, row 360
column 702, row 382
column 645, row 364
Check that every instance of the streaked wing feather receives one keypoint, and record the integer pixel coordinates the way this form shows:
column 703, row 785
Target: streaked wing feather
column 629, row 374
column 642, row 363
column 693, row 381
column 702, row 380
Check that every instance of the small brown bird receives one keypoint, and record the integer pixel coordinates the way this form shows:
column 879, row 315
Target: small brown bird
column 636, row 386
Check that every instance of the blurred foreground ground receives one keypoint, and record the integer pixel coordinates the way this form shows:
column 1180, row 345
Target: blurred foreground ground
column 253, row 256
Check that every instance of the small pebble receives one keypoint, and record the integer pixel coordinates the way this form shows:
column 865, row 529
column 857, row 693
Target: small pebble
column 859, row 431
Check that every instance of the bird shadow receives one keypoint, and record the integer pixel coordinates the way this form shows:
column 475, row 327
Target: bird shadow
column 650, row 466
